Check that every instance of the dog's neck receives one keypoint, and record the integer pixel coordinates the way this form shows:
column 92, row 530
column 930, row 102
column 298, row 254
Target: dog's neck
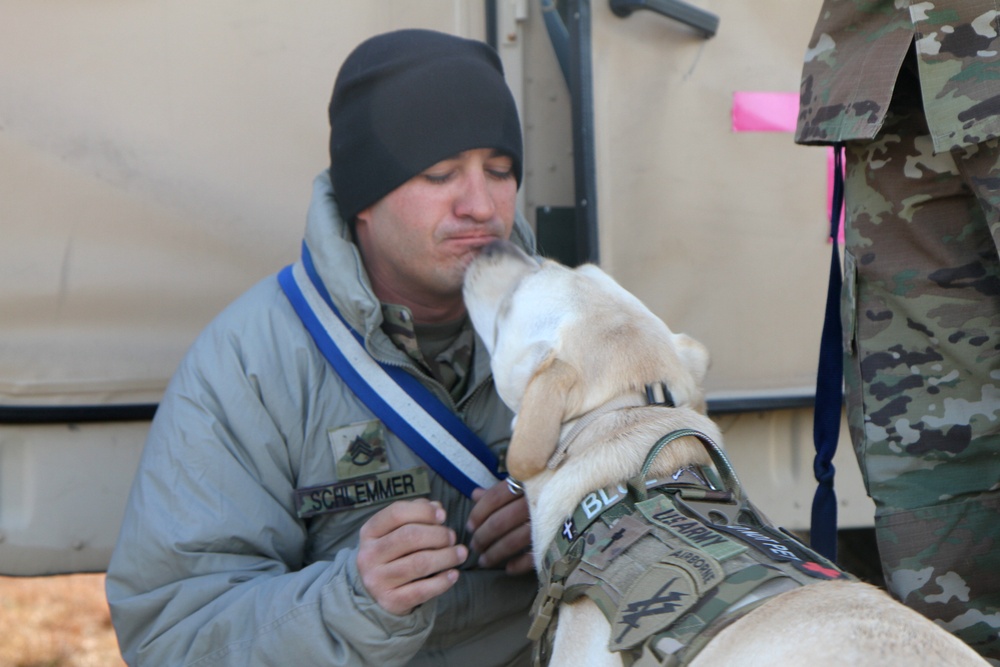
column 573, row 428
column 612, row 451
column 654, row 394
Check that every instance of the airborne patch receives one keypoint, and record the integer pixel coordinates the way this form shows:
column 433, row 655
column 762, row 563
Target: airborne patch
column 706, row 572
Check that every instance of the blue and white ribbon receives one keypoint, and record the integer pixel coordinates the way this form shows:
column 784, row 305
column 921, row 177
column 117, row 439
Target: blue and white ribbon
column 405, row 406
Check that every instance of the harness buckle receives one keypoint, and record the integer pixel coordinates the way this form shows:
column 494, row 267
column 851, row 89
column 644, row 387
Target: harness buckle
column 657, row 393
column 713, row 507
column 545, row 607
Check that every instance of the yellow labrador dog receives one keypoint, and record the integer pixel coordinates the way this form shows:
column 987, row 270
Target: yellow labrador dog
column 644, row 543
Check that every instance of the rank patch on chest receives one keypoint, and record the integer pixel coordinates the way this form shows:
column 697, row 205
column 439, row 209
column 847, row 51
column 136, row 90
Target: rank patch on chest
column 359, row 449
column 362, row 492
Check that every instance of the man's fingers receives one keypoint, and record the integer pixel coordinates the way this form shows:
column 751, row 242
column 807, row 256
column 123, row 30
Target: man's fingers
column 401, row 513
column 403, row 599
column 401, row 584
column 510, row 544
column 405, row 540
column 520, row 564
column 506, row 519
column 401, row 529
column 406, row 556
column 488, row 501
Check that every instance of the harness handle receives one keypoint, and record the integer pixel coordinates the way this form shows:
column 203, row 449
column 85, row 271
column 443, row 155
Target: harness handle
column 637, row 485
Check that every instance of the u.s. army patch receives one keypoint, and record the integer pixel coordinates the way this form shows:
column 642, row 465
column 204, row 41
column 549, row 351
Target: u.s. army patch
column 663, row 513
column 359, row 449
column 661, row 595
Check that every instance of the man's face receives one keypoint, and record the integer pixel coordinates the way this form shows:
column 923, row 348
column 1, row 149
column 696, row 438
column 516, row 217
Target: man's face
column 417, row 241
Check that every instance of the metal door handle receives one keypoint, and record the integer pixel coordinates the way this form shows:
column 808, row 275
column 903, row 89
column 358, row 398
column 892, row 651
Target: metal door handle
column 705, row 22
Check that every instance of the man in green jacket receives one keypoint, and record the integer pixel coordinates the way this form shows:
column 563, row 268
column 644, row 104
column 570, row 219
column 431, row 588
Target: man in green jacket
column 912, row 91
column 274, row 518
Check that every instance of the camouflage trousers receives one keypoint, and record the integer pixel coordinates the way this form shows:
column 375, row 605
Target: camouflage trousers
column 921, row 314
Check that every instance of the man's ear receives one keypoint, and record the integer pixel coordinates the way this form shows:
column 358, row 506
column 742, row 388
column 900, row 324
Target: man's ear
column 360, row 221
column 539, row 423
column 364, row 215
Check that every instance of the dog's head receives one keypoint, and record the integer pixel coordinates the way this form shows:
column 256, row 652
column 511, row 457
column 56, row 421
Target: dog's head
column 566, row 341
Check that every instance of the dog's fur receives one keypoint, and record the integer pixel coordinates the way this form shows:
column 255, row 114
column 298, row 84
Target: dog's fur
column 566, row 341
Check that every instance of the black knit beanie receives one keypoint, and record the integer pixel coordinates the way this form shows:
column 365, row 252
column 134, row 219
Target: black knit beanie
column 406, row 100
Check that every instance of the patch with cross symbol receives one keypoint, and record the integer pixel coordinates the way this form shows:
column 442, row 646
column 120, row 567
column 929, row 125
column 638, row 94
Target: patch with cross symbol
column 605, row 543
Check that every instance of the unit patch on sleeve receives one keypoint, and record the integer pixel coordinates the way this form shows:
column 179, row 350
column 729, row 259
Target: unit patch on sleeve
column 359, row 449
column 362, row 492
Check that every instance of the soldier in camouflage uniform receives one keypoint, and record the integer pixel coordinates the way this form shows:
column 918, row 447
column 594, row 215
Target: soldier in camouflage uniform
column 912, row 90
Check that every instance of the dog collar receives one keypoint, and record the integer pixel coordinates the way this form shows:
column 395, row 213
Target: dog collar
column 655, row 394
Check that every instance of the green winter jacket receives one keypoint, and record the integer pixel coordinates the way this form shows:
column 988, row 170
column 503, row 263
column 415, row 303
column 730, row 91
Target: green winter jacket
column 214, row 566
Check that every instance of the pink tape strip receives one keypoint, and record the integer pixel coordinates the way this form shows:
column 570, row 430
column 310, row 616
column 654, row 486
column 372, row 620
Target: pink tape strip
column 775, row 112
column 765, row 112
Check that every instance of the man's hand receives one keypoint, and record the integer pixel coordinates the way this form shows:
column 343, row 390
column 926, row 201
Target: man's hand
column 501, row 534
column 406, row 556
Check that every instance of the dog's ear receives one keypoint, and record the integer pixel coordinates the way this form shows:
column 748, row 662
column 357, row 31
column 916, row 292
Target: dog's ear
column 693, row 355
column 539, row 423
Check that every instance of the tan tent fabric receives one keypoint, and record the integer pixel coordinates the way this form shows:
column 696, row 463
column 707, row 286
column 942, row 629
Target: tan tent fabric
column 722, row 233
column 156, row 160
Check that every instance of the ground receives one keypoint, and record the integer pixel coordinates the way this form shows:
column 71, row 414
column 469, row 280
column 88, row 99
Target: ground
column 56, row 622
column 64, row 621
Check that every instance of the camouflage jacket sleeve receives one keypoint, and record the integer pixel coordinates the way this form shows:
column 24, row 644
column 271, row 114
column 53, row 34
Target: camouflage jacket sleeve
column 855, row 53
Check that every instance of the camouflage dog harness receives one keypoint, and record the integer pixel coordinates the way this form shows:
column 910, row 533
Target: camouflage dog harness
column 670, row 563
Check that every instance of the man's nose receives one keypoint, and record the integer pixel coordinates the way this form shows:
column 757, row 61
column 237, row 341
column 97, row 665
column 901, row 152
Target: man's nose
column 476, row 199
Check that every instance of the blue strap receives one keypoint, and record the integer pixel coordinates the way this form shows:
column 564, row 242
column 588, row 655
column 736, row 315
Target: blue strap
column 445, row 445
column 829, row 387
